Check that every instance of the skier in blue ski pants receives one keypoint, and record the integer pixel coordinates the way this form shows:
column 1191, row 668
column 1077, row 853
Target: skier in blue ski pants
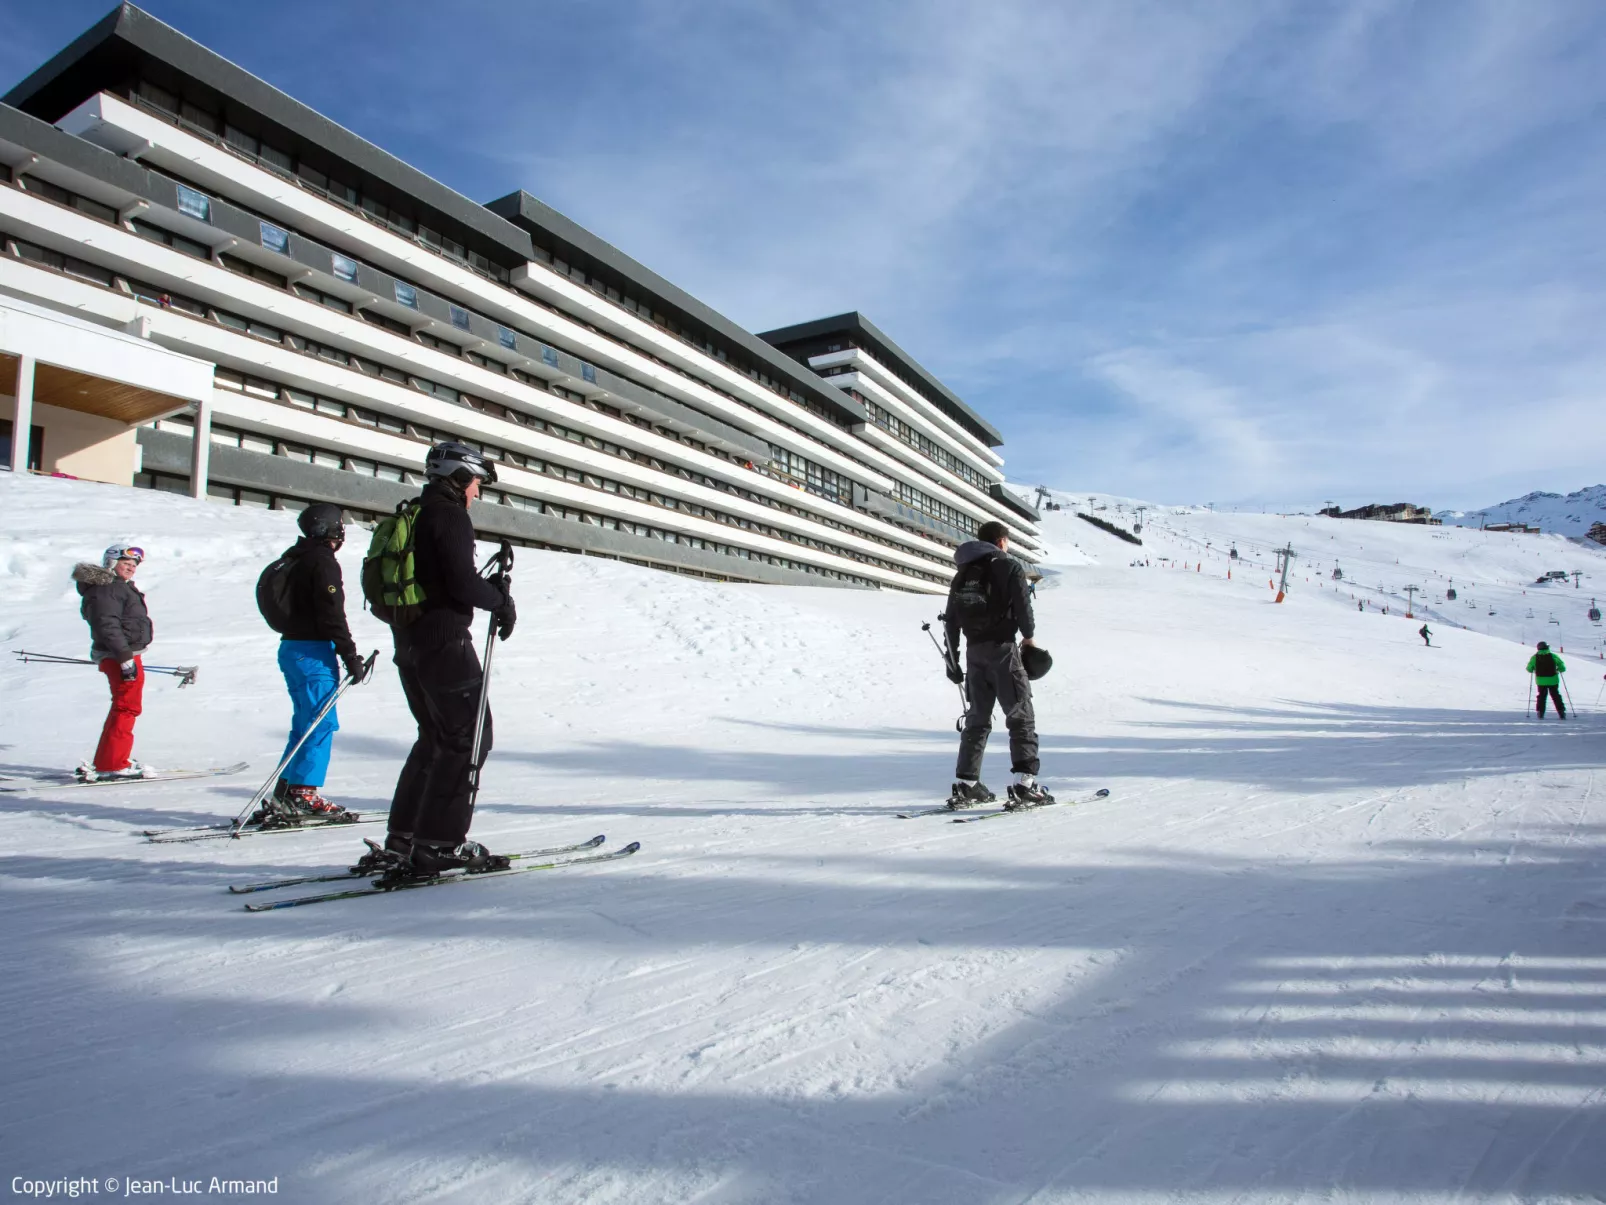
column 312, row 673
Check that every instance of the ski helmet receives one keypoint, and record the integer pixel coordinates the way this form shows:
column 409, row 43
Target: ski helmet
column 1543, row 647
column 323, row 521
column 121, row 552
column 451, row 458
column 1037, row 661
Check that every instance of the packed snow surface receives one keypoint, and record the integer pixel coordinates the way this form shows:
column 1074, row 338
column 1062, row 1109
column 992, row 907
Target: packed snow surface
column 1338, row 933
column 1563, row 514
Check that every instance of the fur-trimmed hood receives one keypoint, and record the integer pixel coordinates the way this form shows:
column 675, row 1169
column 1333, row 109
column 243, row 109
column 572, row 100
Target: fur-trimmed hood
column 93, row 575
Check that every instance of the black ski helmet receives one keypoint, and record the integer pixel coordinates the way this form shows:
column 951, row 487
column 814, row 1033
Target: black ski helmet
column 1037, row 661
column 322, row 521
column 450, row 459
column 1543, row 647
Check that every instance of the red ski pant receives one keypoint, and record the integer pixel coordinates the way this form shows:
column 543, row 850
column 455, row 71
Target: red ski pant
column 117, row 735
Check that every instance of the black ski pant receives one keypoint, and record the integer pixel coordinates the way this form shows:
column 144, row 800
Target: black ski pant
column 1555, row 693
column 994, row 675
column 441, row 676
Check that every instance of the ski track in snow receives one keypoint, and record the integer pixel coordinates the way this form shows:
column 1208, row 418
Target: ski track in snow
column 1339, row 932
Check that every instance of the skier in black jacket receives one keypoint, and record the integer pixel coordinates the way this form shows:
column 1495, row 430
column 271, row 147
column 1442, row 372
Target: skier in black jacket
column 990, row 601
column 314, row 638
column 441, row 676
column 120, row 630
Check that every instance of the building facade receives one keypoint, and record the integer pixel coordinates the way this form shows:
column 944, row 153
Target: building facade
column 208, row 287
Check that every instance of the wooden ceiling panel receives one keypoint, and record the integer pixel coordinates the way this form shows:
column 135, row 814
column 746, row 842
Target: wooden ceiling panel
column 95, row 395
column 8, row 374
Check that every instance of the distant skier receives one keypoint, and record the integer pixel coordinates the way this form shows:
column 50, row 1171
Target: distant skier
column 315, row 644
column 989, row 602
column 1547, row 669
column 441, row 676
column 120, row 630
column 1427, row 636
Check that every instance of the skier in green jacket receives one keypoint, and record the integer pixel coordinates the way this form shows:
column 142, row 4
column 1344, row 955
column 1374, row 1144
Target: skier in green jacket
column 1547, row 669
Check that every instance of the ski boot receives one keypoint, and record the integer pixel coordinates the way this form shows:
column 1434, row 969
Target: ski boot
column 1026, row 792
column 430, row 861
column 132, row 771
column 968, row 795
column 307, row 802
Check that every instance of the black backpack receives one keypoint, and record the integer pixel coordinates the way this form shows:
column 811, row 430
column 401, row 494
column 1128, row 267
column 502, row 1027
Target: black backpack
column 971, row 603
column 274, row 593
column 1544, row 665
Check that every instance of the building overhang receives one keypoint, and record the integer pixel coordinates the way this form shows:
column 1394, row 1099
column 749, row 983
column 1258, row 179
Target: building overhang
column 856, row 328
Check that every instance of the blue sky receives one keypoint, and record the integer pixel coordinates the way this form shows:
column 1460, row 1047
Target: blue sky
column 1220, row 251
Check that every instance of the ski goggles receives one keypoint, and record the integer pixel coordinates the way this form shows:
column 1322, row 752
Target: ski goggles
column 123, row 552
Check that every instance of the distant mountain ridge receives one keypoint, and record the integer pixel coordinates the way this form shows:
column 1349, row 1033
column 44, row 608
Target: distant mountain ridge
column 1569, row 515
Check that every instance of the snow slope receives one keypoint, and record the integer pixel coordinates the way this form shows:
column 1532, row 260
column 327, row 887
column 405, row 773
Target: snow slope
column 1569, row 515
column 1337, row 933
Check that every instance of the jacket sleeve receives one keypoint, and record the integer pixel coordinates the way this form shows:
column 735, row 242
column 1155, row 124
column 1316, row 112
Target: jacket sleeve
column 1020, row 598
column 328, row 590
column 458, row 572
column 106, row 622
column 1561, row 666
column 950, row 622
column 1530, row 665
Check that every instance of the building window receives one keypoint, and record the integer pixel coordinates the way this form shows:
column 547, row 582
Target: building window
column 505, row 338
column 589, row 373
column 406, row 295
column 549, row 356
column 459, row 317
column 275, row 239
column 345, row 268
column 194, row 204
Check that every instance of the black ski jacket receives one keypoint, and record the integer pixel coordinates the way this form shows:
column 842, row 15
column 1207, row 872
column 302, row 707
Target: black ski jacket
column 317, row 596
column 1012, row 599
column 443, row 560
column 119, row 624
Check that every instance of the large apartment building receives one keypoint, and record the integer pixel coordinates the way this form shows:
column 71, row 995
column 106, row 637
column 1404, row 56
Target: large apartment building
column 208, row 287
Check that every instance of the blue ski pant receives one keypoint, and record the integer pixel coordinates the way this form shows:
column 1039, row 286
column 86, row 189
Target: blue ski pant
column 311, row 674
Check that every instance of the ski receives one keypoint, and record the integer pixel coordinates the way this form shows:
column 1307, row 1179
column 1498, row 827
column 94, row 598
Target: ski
column 352, row 873
column 68, row 780
column 224, row 832
column 1101, row 793
column 945, row 810
column 374, row 889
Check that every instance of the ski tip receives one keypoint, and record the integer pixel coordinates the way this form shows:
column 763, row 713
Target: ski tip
column 597, row 840
column 631, row 848
column 1101, row 792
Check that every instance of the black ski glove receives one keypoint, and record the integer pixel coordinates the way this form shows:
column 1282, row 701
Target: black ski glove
column 130, row 670
column 955, row 674
column 507, row 614
column 356, row 668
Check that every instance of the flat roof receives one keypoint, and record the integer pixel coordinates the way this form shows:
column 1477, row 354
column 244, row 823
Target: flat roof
column 129, row 42
column 859, row 329
column 578, row 245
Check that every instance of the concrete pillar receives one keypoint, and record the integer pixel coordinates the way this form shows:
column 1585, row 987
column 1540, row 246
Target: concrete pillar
column 201, row 453
column 22, row 416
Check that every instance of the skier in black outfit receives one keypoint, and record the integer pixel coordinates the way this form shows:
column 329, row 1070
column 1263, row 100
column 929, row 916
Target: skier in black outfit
column 990, row 601
column 432, row 808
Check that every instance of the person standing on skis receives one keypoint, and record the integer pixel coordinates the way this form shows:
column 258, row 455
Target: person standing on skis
column 441, row 676
column 315, row 646
column 989, row 602
column 120, row 630
column 1427, row 636
column 1547, row 669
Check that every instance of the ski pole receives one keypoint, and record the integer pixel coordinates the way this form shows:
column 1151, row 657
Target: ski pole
column 256, row 800
column 503, row 561
column 1568, row 692
column 184, row 673
column 1531, row 693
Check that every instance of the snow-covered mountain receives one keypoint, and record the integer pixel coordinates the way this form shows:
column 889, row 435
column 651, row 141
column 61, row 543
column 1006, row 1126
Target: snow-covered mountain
column 1564, row 514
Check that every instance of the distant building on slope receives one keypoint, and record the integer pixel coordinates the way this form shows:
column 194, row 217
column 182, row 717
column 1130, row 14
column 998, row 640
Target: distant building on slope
column 208, row 287
column 1399, row 512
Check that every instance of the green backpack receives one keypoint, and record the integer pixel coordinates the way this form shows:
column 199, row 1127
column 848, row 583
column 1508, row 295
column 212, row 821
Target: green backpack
column 388, row 581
